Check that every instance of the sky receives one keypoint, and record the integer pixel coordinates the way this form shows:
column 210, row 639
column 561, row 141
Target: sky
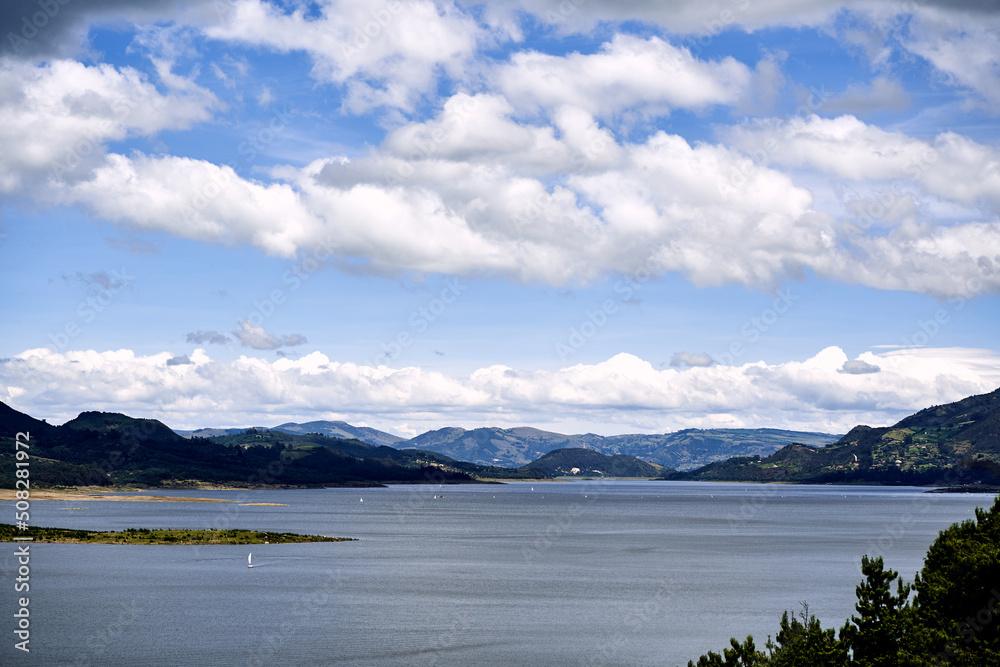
column 583, row 216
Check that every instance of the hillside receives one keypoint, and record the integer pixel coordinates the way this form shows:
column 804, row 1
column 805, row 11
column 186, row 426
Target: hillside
column 105, row 449
column 339, row 429
column 682, row 450
column 576, row 462
column 944, row 444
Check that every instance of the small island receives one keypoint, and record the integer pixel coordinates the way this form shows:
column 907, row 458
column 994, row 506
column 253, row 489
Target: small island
column 146, row 536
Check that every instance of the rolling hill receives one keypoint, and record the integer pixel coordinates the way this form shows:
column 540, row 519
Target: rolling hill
column 957, row 443
column 106, row 449
column 576, row 462
column 682, row 450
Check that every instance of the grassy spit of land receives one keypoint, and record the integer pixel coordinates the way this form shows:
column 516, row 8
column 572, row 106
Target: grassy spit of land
column 82, row 495
column 146, row 536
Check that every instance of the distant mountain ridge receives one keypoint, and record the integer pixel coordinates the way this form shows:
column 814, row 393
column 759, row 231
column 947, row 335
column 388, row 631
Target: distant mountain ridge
column 333, row 429
column 519, row 446
column 681, row 450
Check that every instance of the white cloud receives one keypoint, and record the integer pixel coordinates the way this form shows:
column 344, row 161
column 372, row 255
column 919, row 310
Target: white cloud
column 648, row 75
column 623, row 393
column 950, row 166
column 386, row 54
column 257, row 337
column 471, row 192
column 56, row 119
column 962, row 47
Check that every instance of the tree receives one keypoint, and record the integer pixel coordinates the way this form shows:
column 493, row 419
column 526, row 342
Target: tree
column 874, row 638
column 956, row 616
column 806, row 643
column 740, row 655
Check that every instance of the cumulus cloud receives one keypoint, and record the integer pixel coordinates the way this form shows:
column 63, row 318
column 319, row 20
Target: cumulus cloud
column 258, row 337
column 56, row 119
column 385, row 55
column 624, row 392
column 691, row 359
column 180, row 360
column 470, row 192
column 648, row 75
column 949, row 166
column 963, row 51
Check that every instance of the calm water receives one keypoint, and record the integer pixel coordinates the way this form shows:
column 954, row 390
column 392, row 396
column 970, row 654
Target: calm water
column 616, row 573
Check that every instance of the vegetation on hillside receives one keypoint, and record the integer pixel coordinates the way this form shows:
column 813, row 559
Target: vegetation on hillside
column 576, row 462
column 950, row 615
column 146, row 536
column 958, row 443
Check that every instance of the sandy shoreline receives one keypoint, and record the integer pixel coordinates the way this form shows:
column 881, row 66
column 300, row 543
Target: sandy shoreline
column 76, row 496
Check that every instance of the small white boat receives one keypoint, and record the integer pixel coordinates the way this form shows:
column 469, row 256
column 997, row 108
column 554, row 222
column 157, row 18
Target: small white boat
column 250, row 560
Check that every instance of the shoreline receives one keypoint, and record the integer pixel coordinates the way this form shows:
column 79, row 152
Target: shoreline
column 178, row 536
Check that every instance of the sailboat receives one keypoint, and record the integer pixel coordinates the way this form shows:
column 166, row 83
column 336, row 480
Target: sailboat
column 250, row 560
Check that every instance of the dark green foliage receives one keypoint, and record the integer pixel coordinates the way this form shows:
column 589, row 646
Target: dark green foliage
column 954, row 444
column 589, row 463
column 805, row 644
column 146, row 536
column 739, row 655
column 954, row 618
column 957, row 606
column 112, row 449
column 875, row 636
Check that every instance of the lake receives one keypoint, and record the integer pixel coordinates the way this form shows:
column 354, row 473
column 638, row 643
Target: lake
column 558, row 573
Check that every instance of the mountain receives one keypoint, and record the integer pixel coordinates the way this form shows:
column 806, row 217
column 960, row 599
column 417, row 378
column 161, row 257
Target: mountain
column 105, row 449
column 495, row 446
column 957, row 443
column 577, row 462
column 683, row 450
column 335, row 429
column 340, row 429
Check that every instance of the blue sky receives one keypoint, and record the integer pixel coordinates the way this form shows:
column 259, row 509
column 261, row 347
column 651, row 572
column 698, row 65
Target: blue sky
column 573, row 216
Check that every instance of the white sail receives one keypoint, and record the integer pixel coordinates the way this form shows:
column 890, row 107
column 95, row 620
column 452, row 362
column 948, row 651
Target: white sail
column 250, row 560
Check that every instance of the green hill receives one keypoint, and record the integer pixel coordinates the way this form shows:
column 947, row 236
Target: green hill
column 957, row 443
column 113, row 449
column 578, row 462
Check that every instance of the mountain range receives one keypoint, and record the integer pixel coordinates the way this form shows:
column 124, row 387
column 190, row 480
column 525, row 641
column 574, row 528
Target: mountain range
column 953, row 444
column 516, row 447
